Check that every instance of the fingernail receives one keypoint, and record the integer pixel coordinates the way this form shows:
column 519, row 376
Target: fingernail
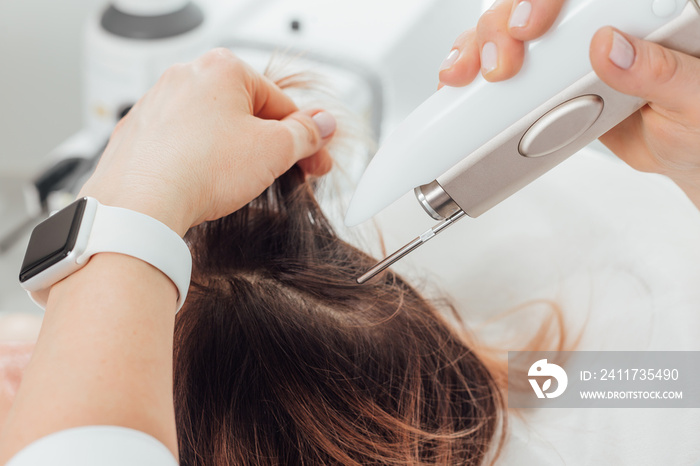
column 521, row 15
column 450, row 60
column 621, row 52
column 325, row 122
column 489, row 57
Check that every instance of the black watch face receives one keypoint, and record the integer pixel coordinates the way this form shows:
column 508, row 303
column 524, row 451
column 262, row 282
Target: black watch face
column 52, row 240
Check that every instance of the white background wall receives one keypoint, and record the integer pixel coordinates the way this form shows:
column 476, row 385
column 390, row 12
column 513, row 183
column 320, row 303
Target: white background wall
column 39, row 78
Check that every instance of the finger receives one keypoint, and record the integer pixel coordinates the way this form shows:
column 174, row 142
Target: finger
column 644, row 69
column 501, row 56
column 318, row 164
column 299, row 136
column 462, row 64
column 529, row 19
column 627, row 140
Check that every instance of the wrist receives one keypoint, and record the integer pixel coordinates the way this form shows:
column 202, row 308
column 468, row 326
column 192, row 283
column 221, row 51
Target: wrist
column 122, row 272
column 166, row 208
column 63, row 244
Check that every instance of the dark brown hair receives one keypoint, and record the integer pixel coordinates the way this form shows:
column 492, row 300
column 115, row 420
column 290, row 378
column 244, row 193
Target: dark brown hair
column 282, row 358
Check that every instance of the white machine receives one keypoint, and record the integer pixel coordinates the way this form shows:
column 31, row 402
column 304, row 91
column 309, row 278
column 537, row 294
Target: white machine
column 383, row 61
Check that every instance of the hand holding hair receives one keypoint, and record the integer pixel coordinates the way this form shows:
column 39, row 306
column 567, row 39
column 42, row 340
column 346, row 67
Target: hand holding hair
column 208, row 138
column 662, row 137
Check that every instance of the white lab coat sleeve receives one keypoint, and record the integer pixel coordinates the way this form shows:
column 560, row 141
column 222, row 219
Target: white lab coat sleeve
column 95, row 445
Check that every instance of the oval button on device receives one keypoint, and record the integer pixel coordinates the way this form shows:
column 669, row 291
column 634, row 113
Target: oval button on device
column 561, row 126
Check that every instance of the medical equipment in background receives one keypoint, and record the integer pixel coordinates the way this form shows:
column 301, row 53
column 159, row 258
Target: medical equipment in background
column 464, row 150
column 380, row 57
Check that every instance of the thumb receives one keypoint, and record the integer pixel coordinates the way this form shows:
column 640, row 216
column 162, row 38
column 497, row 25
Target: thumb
column 310, row 131
column 645, row 69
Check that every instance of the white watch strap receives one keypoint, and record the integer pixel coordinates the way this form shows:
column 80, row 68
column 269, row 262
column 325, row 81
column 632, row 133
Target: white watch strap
column 135, row 234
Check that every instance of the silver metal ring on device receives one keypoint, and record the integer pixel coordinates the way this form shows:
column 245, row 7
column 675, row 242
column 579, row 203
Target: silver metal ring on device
column 435, row 201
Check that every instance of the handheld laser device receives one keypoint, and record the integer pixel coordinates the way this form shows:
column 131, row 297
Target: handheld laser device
column 464, row 150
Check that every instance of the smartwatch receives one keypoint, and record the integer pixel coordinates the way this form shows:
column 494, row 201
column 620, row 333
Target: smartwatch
column 63, row 243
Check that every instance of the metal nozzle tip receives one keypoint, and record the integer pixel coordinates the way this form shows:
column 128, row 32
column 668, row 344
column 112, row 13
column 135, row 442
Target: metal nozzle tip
column 409, row 248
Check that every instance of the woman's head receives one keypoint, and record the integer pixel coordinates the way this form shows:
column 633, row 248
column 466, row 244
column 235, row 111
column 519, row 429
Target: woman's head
column 281, row 358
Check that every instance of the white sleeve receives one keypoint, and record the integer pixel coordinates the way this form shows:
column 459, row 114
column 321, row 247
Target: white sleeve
column 92, row 445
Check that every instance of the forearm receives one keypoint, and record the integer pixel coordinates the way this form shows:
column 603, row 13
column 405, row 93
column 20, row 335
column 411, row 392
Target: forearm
column 104, row 356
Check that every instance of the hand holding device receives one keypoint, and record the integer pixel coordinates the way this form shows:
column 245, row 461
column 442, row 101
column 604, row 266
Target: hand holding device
column 661, row 137
column 464, row 150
